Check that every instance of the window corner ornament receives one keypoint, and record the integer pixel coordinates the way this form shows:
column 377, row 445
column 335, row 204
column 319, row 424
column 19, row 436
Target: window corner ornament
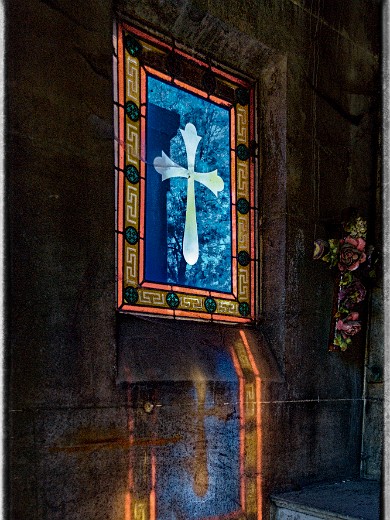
column 354, row 263
column 186, row 202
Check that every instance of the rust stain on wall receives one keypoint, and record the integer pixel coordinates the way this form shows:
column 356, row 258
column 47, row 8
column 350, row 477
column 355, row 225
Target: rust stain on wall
column 87, row 440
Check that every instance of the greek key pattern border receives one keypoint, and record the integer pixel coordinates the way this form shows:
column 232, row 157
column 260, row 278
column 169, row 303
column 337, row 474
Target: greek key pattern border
column 155, row 299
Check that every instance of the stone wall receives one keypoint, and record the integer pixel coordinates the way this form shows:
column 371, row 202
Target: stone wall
column 70, row 419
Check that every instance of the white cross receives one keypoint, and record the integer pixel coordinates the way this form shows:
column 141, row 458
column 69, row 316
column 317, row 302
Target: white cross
column 168, row 169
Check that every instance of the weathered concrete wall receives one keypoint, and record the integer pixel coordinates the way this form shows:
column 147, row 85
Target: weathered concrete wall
column 373, row 415
column 69, row 419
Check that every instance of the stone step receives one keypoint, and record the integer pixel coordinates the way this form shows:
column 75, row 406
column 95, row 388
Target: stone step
column 345, row 500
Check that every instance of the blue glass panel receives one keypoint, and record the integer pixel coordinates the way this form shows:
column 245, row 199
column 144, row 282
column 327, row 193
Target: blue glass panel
column 169, row 110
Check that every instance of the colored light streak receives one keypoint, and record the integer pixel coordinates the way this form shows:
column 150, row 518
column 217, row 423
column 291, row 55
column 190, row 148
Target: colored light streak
column 153, row 511
column 259, row 497
column 241, row 393
column 152, row 498
column 130, row 478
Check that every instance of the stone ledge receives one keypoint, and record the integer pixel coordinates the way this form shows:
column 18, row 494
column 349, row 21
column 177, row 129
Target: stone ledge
column 346, row 500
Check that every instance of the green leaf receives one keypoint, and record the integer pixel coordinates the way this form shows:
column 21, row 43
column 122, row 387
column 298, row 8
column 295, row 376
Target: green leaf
column 346, row 279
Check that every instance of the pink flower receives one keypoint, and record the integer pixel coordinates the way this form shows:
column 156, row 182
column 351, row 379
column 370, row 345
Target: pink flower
column 351, row 253
column 349, row 326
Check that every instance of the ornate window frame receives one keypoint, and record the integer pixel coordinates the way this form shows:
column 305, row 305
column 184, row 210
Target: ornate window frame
column 137, row 55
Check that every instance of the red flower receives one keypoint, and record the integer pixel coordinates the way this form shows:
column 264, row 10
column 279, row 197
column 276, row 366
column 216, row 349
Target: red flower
column 349, row 326
column 351, row 253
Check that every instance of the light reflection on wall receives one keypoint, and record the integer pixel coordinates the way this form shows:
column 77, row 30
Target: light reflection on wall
column 256, row 416
column 192, row 489
column 214, row 472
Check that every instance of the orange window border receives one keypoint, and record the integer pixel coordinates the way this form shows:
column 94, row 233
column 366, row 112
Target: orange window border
column 144, row 297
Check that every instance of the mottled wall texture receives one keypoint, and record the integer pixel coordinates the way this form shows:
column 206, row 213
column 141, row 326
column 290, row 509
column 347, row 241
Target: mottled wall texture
column 97, row 429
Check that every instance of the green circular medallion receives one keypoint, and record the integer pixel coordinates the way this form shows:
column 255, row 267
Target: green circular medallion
column 172, row 300
column 210, row 304
column 132, row 110
column 243, row 309
column 243, row 258
column 133, row 46
column 131, row 235
column 242, row 96
column 173, row 64
column 208, row 81
column 131, row 295
column 132, row 174
column 243, row 152
column 243, row 206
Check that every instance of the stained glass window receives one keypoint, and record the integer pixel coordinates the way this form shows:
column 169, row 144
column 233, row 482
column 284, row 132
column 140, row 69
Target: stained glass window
column 185, row 183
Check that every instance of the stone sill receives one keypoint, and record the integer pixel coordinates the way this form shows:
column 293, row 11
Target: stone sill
column 347, row 500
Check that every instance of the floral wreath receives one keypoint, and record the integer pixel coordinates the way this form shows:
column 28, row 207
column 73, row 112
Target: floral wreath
column 354, row 262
